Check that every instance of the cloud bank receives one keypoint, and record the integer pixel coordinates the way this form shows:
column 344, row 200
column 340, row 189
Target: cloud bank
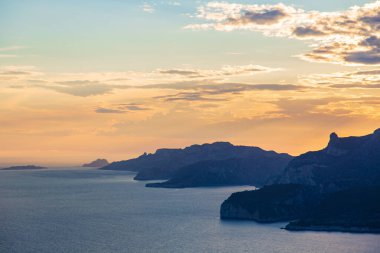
column 350, row 37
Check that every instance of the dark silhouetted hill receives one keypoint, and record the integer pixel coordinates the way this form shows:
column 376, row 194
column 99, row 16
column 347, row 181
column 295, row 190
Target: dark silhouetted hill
column 165, row 163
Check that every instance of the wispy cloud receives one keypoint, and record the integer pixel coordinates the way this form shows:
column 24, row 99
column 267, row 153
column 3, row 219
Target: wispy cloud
column 214, row 91
column 108, row 110
column 9, row 56
column 364, row 79
column 80, row 88
column 121, row 108
column 8, row 51
column 225, row 71
column 11, row 48
column 94, row 84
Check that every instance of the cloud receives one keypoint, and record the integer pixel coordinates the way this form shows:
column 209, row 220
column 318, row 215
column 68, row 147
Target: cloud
column 365, row 79
column 80, row 88
column 15, row 73
column 221, row 88
column 206, row 92
column 148, row 8
column 260, row 17
column 225, row 71
column 349, row 37
column 361, row 86
column 228, row 17
column 188, row 96
column 93, row 84
column 307, row 32
column 11, row 48
column 9, row 56
column 329, row 108
column 174, row 3
column 132, row 107
column 166, row 85
column 18, row 73
column 121, row 108
column 107, row 110
column 190, row 73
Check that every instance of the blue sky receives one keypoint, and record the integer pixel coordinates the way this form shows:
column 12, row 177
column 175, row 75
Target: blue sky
column 118, row 35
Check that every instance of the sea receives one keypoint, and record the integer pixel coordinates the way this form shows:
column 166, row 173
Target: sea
column 88, row 210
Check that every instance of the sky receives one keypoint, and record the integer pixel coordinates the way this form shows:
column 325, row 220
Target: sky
column 81, row 80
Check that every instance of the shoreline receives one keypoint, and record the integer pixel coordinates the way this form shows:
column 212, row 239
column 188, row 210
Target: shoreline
column 356, row 230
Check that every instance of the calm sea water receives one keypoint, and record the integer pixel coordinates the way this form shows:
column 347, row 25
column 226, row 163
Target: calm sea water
column 82, row 210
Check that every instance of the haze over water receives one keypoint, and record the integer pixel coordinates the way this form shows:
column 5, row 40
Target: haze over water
column 83, row 210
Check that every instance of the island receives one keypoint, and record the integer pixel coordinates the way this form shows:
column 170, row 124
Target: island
column 97, row 163
column 26, row 167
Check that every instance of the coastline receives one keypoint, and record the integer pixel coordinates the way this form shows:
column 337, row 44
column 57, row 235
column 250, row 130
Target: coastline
column 356, row 230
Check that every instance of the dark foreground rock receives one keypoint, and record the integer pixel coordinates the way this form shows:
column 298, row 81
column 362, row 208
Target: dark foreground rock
column 353, row 210
column 26, row 167
column 334, row 189
column 272, row 203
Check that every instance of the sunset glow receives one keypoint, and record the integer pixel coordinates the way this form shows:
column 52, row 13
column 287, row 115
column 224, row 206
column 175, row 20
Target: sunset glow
column 113, row 79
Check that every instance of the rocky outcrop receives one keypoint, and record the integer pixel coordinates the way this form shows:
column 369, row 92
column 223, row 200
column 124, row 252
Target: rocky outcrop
column 97, row 163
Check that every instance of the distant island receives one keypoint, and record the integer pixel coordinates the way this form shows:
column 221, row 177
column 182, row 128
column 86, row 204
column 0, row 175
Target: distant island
column 334, row 189
column 96, row 163
column 215, row 164
column 26, row 167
